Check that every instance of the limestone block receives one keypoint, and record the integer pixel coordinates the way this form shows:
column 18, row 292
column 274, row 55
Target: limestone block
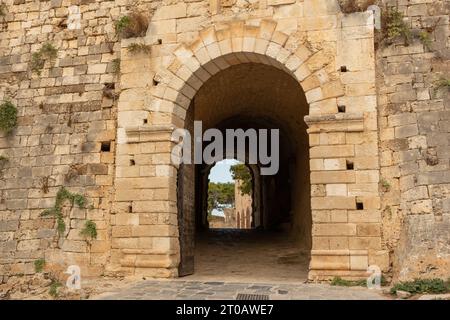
column 422, row 207
column 317, row 23
column 313, row 8
column 368, row 229
column 178, row 10
column 359, row 262
column 333, row 203
column 154, row 231
column 334, row 164
column 336, row 190
column 214, row 6
column 339, row 216
column 302, row 73
column 406, row 131
column 125, row 243
column 338, row 243
column 381, row 259
column 329, row 262
column 321, row 243
column 332, row 177
column 287, row 11
column 364, row 243
column 320, row 216
column 363, row 189
column 279, row 2
column 316, row 165
column 332, row 151
column 367, row 176
column 362, row 163
column 334, row 229
column 373, row 216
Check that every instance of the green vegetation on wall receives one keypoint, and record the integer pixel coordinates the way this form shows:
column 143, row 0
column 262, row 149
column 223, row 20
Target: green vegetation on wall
column 132, row 25
column 38, row 59
column 90, row 230
column 56, row 211
column 8, row 116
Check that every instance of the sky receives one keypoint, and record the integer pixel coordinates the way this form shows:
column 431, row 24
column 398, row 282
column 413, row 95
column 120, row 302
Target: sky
column 221, row 171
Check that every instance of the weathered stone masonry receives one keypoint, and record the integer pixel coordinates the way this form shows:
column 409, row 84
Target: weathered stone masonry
column 414, row 144
column 379, row 170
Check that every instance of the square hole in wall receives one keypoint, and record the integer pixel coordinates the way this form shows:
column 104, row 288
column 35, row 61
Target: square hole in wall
column 344, row 69
column 105, row 146
column 350, row 165
column 145, row 121
column 132, row 162
column 341, row 109
column 359, row 205
column 130, row 208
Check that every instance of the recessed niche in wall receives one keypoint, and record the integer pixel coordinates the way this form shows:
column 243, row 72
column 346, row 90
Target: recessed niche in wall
column 350, row 165
column 359, row 205
column 341, row 109
column 106, row 146
column 344, row 69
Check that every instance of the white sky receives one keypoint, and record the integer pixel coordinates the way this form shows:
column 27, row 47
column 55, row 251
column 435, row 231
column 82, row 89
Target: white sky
column 221, row 171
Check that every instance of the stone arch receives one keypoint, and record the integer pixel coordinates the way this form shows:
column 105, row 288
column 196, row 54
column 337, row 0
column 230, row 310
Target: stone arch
column 219, row 48
column 234, row 44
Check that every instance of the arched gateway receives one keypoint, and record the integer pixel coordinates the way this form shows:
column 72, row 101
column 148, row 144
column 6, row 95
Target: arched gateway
column 252, row 75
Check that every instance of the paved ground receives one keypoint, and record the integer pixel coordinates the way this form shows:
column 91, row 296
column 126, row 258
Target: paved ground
column 232, row 262
column 249, row 256
column 197, row 290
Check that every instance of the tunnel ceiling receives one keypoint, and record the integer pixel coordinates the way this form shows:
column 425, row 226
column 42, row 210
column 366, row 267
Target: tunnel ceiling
column 253, row 94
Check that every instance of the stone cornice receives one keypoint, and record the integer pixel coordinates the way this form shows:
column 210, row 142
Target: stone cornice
column 149, row 133
column 340, row 122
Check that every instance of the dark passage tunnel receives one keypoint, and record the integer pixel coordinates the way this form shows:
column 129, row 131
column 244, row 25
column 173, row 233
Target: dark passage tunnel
column 252, row 96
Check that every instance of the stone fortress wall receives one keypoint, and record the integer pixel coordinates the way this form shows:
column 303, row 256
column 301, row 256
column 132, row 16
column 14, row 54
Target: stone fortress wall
column 81, row 119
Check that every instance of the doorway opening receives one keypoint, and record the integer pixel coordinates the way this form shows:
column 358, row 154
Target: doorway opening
column 272, row 239
column 230, row 196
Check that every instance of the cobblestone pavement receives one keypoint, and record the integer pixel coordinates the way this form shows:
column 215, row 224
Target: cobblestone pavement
column 198, row 290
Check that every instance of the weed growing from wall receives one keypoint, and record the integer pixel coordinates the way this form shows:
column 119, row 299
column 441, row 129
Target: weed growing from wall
column 116, row 65
column 135, row 48
column 89, row 231
column 56, row 211
column 46, row 53
column 132, row 25
column 8, row 116
column 39, row 265
column 395, row 26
